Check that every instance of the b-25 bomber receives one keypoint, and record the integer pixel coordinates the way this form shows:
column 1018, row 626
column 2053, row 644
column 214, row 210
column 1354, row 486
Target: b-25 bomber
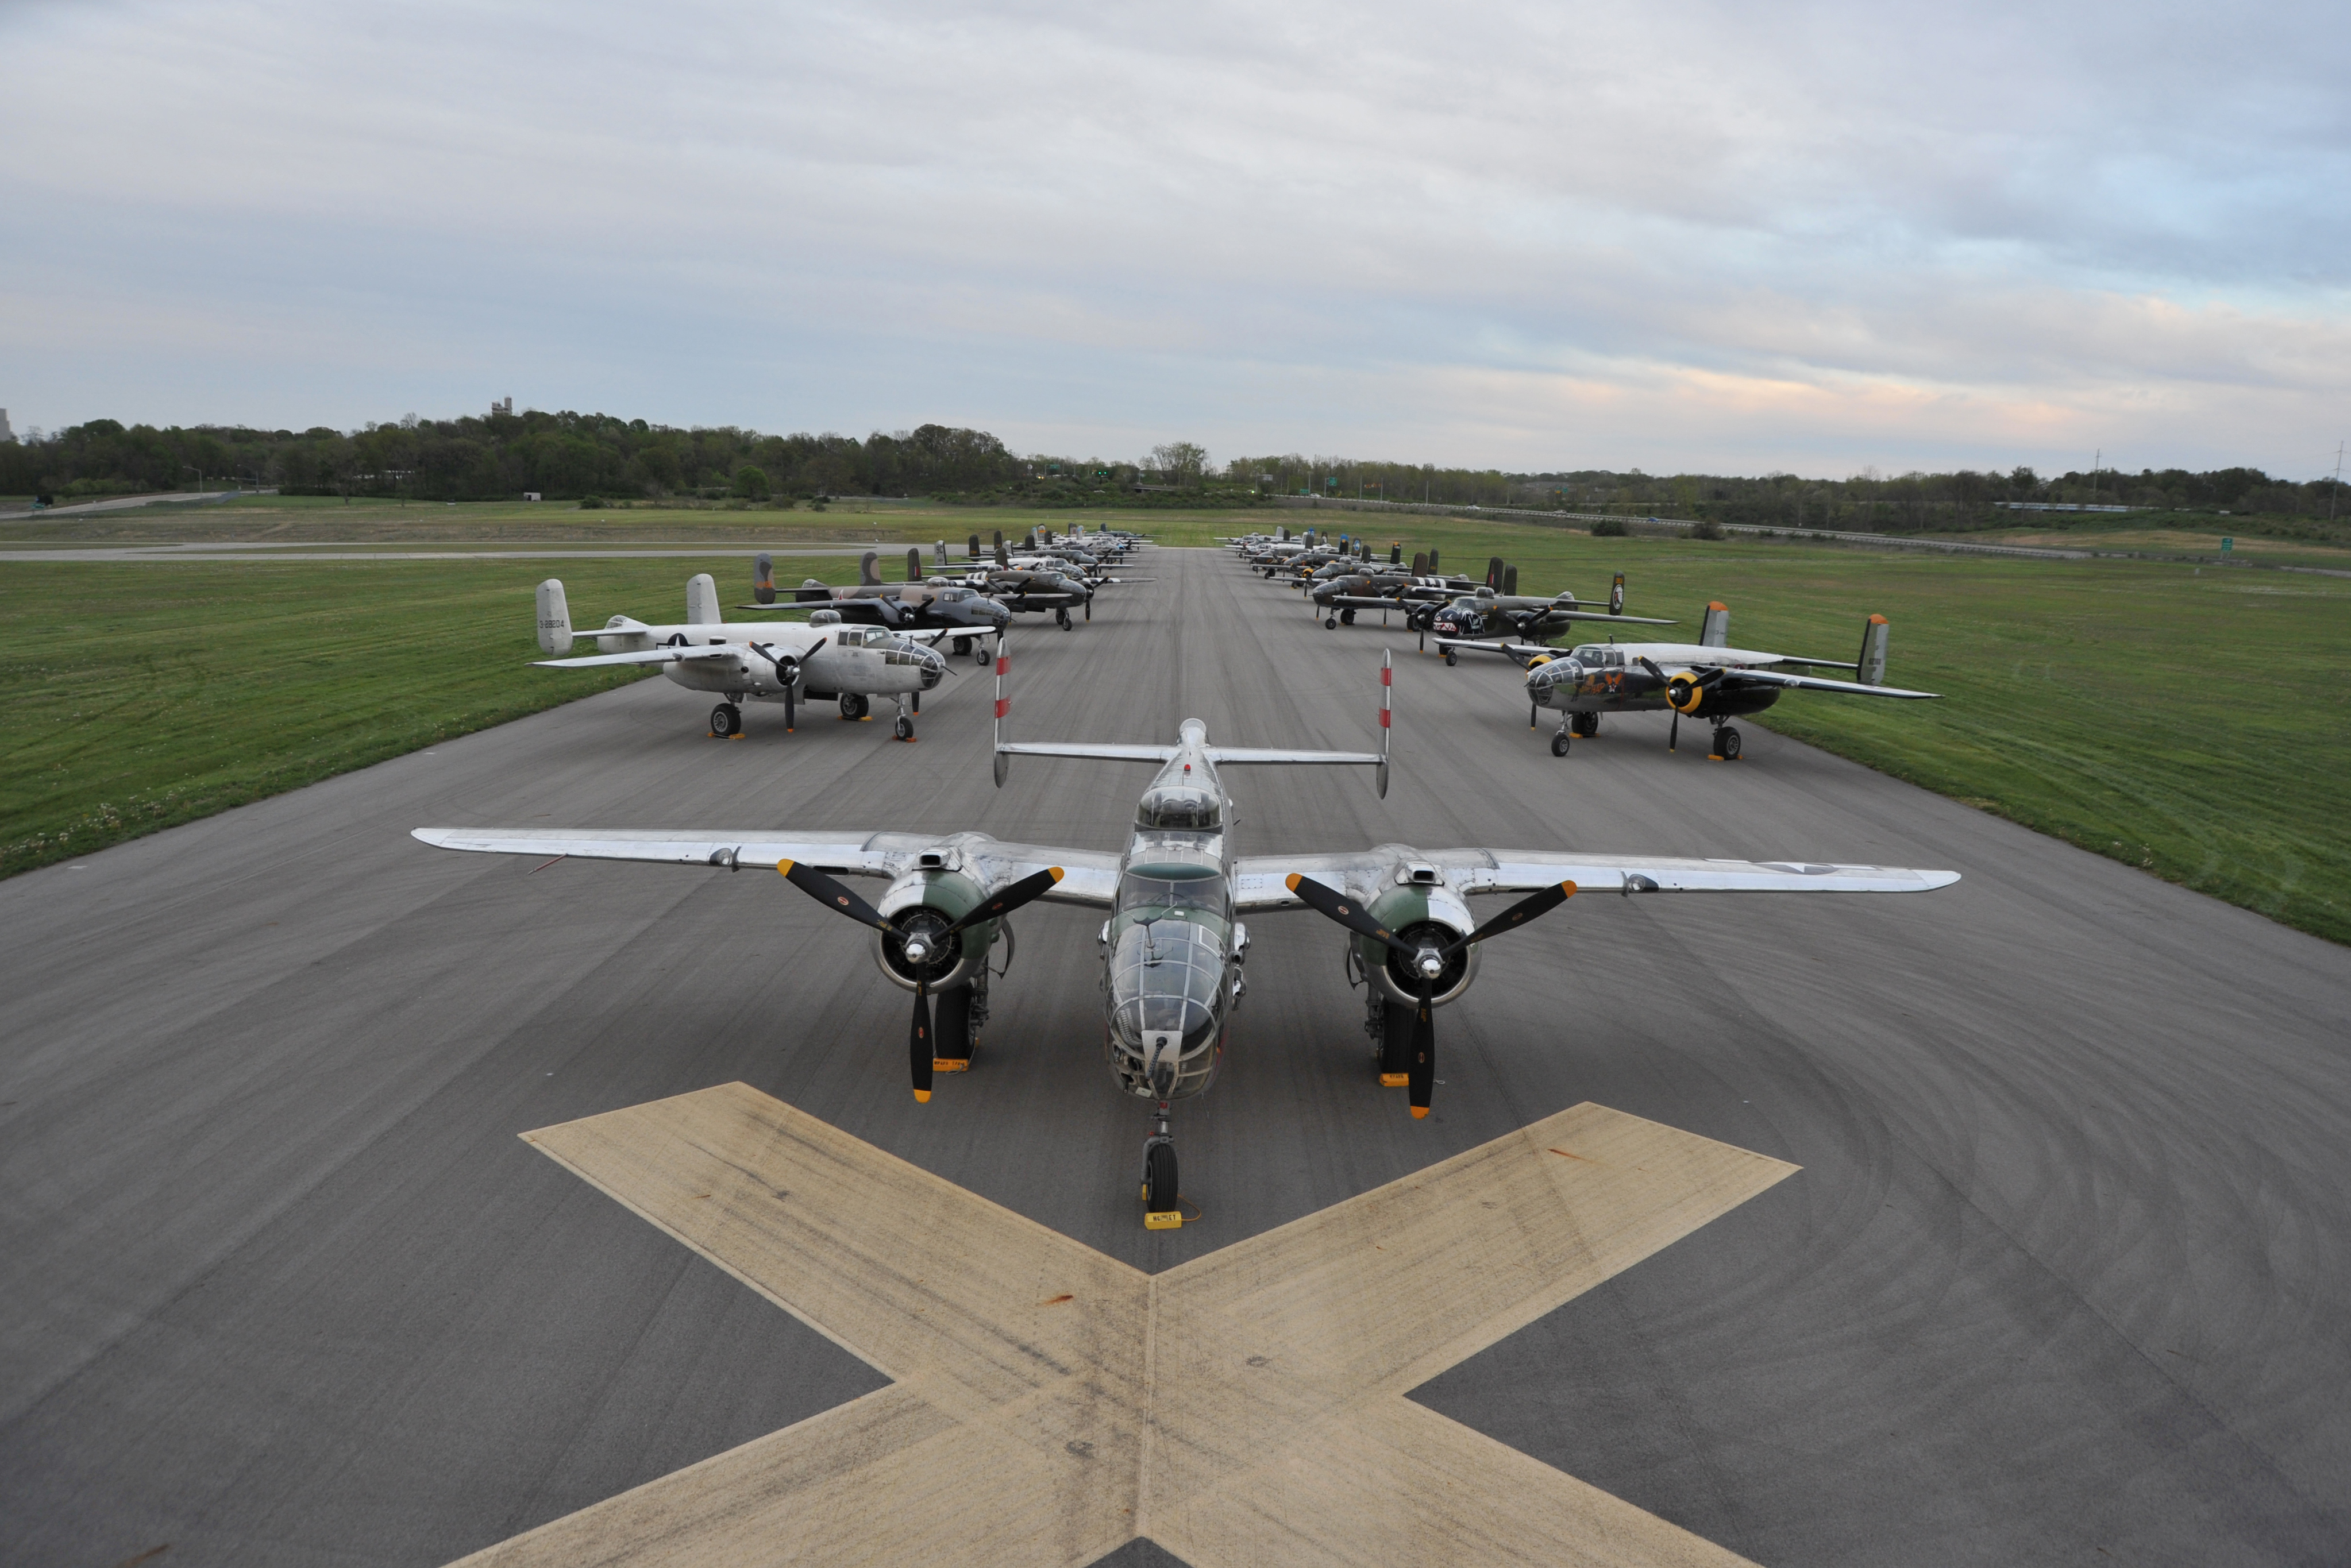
column 967, row 616
column 1173, row 942
column 762, row 661
column 1709, row 679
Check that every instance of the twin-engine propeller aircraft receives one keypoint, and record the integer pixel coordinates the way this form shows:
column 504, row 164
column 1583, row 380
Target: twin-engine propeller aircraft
column 758, row 661
column 1708, row 680
column 1173, row 945
column 1488, row 612
column 967, row 616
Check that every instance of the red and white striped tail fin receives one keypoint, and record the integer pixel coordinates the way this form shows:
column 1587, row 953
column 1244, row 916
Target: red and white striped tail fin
column 1387, row 686
column 1003, row 704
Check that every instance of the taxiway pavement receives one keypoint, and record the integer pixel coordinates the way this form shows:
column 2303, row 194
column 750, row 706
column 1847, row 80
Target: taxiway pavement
column 2064, row 1273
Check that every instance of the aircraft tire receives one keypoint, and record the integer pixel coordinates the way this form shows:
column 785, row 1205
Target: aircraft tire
column 853, row 705
column 1559, row 744
column 725, row 719
column 1449, row 660
column 1587, row 725
column 903, row 729
column 979, row 652
column 1330, row 623
column 1726, row 744
column 1159, row 1188
column 1061, row 618
column 1346, row 618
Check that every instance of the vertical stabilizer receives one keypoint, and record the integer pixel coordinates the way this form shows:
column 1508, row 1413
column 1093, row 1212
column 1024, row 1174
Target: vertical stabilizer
column 554, row 617
column 942, row 554
column 867, row 577
column 763, row 578
column 914, row 563
column 1616, row 595
column 1510, row 581
column 1433, row 566
column 1716, row 632
column 975, row 546
column 701, row 600
column 1869, row 668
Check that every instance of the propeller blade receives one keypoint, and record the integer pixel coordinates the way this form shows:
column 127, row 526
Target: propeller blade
column 1329, row 902
column 1674, row 731
column 827, row 891
column 919, row 1044
column 1516, row 915
column 1421, row 1073
column 1011, row 899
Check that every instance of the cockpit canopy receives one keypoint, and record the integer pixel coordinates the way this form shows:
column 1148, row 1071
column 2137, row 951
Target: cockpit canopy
column 1180, row 808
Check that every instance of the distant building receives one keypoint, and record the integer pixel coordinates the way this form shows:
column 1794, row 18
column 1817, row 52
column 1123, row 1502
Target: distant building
column 530, row 496
column 7, row 435
column 502, row 406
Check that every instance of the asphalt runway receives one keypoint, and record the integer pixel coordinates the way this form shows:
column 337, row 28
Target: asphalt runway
column 2062, row 1278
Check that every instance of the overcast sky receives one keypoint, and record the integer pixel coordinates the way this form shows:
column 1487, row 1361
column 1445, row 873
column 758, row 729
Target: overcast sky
column 1683, row 236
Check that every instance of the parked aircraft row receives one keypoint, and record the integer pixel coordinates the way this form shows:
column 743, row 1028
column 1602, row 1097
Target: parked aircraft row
column 1174, row 943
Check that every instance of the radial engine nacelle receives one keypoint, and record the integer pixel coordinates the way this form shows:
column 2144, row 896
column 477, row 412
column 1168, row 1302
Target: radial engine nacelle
column 928, row 900
column 1425, row 914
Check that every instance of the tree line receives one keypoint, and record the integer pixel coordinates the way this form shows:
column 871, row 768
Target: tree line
column 574, row 456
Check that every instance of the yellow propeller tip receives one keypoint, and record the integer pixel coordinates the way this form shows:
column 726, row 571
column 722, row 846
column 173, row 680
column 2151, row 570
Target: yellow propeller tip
column 1419, row 1112
column 1056, row 871
column 784, row 867
column 1292, row 880
column 922, row 1097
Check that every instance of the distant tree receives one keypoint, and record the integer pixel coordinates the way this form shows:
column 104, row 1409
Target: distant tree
column 1182, row 462
column 751, row 482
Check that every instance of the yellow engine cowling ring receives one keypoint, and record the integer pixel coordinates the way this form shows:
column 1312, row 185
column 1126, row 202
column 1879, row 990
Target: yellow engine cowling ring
column 950, row 895
column 1683, row 692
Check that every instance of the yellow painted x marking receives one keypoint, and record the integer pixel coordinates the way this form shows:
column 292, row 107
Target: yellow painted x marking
column 1049, row 1404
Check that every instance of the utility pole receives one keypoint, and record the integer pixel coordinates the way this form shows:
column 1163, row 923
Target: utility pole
column 2338, row 484
column 2095, row 461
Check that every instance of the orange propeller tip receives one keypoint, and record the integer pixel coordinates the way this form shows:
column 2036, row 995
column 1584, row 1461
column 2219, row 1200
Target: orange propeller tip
column 1056, row 872
column 1568, row 888
column 1419, row 1112
column 784, row 867
column 922, row 1097
column 1292, row 881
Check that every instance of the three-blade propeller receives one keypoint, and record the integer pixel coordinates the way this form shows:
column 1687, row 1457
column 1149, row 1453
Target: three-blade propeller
column 929, row 942
column 787, row 673
column 1425, row 960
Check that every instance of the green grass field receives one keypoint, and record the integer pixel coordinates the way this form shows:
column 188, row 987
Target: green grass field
column 2189, row 723
column 136, row 696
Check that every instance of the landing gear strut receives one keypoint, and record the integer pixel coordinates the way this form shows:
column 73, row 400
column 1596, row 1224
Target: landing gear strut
column 1160, row 1192
column 905, row 726
column 725, row 721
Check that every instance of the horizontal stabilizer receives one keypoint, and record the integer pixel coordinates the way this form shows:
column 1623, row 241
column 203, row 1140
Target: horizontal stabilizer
column 1109, row 753
column 1225, row 756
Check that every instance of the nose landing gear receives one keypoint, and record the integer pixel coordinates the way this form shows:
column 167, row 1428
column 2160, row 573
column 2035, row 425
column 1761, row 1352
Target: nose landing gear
column 1161, row 1210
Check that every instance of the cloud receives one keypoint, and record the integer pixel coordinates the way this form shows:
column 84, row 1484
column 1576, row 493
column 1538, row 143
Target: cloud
column 1687, row 235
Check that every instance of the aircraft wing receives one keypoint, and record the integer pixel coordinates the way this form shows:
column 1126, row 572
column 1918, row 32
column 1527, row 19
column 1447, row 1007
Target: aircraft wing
column 1816, row 683
column 1260, row 881
column 1090, row 876
column 1519, row 652
column 646, row 656
column 1364, row 601
column 1601, row 614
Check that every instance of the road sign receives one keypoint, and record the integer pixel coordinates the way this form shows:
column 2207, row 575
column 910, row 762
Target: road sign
column 2227, row 545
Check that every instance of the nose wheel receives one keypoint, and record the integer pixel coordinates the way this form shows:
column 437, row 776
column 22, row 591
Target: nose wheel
column 1161, row 1210
column 1559, row 743
column 903, row 729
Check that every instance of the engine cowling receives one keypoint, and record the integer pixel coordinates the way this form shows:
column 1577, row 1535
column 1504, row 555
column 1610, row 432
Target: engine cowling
column 1684, row 692
column 932, row 899
column 1419, row 913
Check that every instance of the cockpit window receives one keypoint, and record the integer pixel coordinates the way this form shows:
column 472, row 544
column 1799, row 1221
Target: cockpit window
column 1179, row 808
column 1172, row 887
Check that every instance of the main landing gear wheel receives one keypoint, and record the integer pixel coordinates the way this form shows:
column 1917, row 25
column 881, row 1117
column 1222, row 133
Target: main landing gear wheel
column 1159, row 1192
column 1726, row 744
column 1586, row 725
column 1559, row 744
column 854, row 705
column 903, row 729
column 725, row 721
column 1061, row 618
column 1346, row 618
